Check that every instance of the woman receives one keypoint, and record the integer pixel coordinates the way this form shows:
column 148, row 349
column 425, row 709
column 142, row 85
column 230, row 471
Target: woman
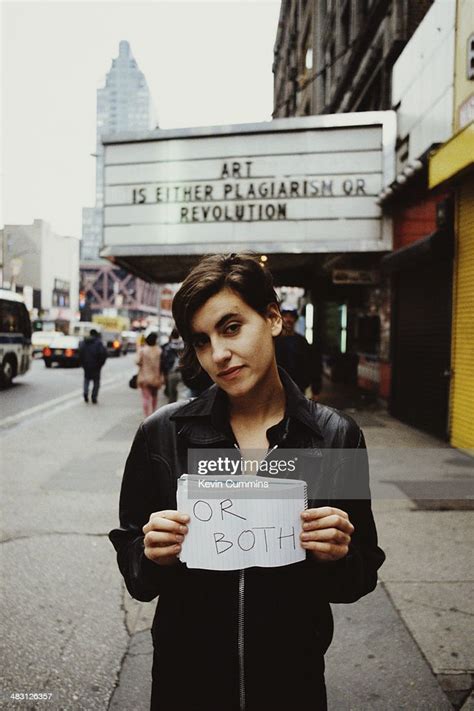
column 252, row 639
column 149, row 378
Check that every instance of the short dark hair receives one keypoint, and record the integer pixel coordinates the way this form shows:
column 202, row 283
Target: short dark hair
column 93, row 332
column 242, row 273
column 151, row 338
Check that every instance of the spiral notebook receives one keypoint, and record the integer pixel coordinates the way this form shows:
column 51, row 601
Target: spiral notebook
column 241, row 521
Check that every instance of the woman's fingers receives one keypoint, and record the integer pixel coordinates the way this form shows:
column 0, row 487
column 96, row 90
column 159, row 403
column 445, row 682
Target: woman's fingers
column 162, row 553
column 334, row 520
column 322, row 512
column 161, row 538
column 328, row 534
column 167, row 521
column 164, row 534
column 162, row 546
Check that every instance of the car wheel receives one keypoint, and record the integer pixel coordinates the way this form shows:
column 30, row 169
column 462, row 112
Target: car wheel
column 47, row 363
column 8, row 372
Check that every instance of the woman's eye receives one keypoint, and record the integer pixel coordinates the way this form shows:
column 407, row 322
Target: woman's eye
column 199, row 342
column 232, row 328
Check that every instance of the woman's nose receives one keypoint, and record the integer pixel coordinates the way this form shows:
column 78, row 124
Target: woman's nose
column 220, row 352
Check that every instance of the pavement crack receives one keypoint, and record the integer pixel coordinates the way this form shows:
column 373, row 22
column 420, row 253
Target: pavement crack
column 441, row 609
column 127, row 649
column 139, row 654
column 35, row 536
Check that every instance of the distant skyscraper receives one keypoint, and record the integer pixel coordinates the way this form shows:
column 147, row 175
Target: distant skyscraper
column 123, row 104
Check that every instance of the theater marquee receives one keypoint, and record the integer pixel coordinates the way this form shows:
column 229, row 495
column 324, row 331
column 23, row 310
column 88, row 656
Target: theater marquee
column 293, row 185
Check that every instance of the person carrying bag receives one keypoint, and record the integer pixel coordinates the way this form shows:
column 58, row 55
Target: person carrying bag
column 149, row 376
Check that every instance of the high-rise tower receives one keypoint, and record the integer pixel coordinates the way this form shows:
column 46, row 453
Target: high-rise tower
column 123, row 104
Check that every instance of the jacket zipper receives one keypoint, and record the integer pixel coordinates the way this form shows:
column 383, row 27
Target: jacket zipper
column 267, row 454
column 240, row 639
column 240, row 625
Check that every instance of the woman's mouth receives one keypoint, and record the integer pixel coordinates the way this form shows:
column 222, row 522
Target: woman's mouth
column 230, row 373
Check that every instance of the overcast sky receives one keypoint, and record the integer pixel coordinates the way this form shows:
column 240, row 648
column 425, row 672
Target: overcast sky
column 205, row 63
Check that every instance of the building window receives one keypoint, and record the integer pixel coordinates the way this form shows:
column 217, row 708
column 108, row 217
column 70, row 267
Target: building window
column 60, row 296
column 470, row 58
column 10, row 317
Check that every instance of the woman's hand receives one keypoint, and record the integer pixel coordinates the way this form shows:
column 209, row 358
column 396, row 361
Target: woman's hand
column 164, row 534
column 326, row 533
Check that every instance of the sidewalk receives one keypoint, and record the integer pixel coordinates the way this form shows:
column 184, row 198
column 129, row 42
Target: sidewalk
column 428, row 574
column 408, row 645
column 69, row 626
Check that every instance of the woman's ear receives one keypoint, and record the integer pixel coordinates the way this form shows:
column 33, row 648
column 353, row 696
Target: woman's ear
column 274, row 316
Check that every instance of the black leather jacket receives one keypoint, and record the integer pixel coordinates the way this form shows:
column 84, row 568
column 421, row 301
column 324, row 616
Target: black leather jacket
column 252, row 639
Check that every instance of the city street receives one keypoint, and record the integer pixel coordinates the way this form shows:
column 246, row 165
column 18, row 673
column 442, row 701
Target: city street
column 71, row 630
column 41, row 385
column 315, row 213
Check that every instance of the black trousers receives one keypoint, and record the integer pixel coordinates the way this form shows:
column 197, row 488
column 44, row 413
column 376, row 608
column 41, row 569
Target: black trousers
column 94, row 378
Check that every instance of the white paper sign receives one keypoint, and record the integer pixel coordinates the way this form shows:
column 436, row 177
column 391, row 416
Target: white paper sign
column 241, row 521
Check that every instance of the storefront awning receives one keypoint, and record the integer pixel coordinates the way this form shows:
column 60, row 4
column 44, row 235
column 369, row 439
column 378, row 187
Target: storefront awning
column 438, row 245
column 163, row 265
column 453, row 158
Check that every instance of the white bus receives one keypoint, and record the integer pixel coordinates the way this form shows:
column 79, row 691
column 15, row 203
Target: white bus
column 15, row 337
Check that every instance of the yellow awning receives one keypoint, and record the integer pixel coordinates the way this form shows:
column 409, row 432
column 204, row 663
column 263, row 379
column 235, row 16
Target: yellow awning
column 453, row 157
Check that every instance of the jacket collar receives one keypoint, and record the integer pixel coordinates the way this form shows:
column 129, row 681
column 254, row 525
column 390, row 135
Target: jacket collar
column 212, row 405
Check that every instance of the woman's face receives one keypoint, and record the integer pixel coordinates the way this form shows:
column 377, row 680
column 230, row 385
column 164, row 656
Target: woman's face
column 234, row 343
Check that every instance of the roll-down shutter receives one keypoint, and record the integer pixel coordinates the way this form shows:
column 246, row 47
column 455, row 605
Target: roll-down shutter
column 421, row 345
column 462, row 397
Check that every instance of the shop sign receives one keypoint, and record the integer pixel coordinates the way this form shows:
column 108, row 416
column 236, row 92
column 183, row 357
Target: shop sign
column 355, row 276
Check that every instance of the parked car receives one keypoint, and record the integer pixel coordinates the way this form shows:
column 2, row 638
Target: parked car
column 130, row 341
column 41, row 339
column 64, row 350
column 113, row 341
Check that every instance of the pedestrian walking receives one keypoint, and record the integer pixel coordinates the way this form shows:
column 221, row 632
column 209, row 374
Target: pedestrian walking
column 92, row 356
column 302, row 362
column 149, row 378
column 253, row 639
column 170, row 365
